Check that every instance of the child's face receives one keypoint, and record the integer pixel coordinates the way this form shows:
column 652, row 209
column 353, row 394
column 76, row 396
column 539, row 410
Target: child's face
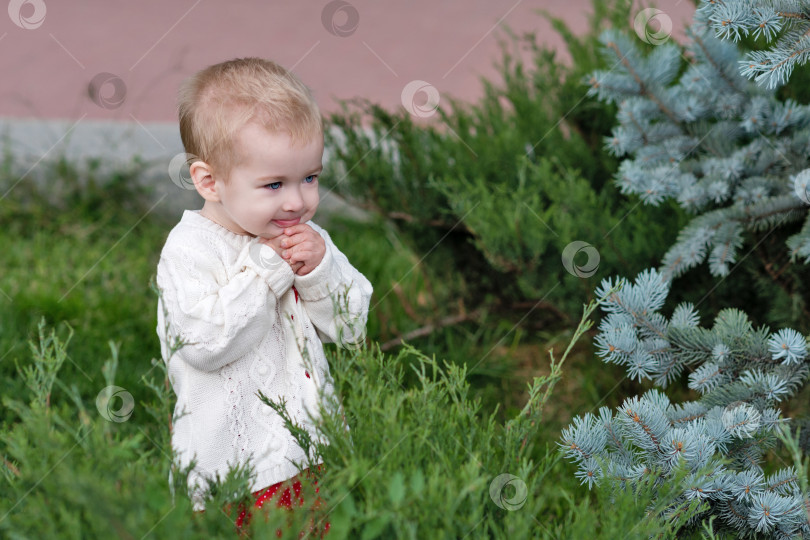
column 273, row 185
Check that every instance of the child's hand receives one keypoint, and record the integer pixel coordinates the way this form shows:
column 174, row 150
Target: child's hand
column 275, row 243
column 302, row 244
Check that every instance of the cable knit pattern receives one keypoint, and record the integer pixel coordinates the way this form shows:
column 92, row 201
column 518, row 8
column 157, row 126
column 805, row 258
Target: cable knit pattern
column 233, row 301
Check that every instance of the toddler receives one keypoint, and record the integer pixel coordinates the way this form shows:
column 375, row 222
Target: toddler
column 250, row 283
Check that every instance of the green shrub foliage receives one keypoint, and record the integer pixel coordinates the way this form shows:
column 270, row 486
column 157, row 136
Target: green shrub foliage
column 494, row 192
column 422, row 460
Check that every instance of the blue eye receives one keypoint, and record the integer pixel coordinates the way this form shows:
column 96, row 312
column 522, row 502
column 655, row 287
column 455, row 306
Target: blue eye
column 276, row 185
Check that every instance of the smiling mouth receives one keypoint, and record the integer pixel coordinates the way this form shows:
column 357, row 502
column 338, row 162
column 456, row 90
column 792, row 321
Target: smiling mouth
column 287, row 222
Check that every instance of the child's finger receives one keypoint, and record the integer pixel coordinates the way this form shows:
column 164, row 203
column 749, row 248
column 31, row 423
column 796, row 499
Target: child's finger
column 294, row 229
column 304, row 256
column 298, row 236
column 295, row 259
column 292, row 256
column 301, row 252
column 293, row 240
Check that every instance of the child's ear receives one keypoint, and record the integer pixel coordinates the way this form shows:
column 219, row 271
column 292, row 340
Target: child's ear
column 201, row 175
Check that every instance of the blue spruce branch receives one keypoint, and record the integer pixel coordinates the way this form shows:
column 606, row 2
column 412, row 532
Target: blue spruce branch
column 718, row 144
column 729, row 152
column 742, row 372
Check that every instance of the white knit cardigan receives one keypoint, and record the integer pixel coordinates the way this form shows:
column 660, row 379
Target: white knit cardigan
column 230, row 298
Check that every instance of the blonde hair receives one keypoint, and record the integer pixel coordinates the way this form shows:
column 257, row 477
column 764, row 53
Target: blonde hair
column 217, row 101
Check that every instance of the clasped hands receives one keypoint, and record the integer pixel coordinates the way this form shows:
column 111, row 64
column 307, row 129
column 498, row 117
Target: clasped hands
column 300, row 245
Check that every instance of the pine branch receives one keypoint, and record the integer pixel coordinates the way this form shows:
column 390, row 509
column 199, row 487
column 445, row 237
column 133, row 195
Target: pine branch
column 728, row 430
column 700, row 42
column 645, row 91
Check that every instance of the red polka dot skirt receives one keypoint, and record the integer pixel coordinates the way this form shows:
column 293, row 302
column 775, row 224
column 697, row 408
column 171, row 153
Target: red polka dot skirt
column 283, row 498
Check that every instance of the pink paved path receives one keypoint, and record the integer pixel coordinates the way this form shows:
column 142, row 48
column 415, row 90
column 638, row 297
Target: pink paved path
column 152, row 45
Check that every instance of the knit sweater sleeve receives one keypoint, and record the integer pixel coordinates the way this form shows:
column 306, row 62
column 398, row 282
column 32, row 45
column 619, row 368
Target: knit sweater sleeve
column 220, row 312
column 335, row 295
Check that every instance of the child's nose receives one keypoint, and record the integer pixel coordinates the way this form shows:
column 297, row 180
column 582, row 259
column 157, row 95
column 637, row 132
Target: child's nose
column 294, row 202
